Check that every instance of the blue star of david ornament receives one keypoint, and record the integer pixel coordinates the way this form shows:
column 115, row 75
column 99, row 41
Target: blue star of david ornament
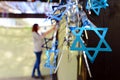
column 88, row 49
column 48, row 63
column 57, row 17
column 96, row 5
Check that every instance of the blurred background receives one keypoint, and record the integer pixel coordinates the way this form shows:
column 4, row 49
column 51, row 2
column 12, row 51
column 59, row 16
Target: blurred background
column 16, row 45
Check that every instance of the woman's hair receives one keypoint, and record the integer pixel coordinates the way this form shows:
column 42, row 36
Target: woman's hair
column 35, row 28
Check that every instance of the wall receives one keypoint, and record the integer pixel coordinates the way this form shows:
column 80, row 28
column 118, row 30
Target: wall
column 68, row 69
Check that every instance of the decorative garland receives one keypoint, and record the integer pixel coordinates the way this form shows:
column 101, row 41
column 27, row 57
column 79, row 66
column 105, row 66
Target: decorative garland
column 77, row 31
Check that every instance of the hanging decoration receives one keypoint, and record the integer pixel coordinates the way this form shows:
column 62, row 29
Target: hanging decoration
column 53, row 50
column 74, row 13
column 96, row 5
column 60, row 8
column 88, row 49
column 45, row 44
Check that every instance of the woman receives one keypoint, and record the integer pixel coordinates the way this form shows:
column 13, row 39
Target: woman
column 38, row 41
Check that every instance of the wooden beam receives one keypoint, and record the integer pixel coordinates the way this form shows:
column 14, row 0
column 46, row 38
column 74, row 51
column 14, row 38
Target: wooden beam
column 11, row 15
column 32, row 0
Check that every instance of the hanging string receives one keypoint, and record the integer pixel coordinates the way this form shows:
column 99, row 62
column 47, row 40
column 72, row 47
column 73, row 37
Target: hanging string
column 87, row 65
column 90, row 5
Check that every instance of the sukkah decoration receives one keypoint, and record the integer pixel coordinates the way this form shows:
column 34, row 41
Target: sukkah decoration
column 82, row 25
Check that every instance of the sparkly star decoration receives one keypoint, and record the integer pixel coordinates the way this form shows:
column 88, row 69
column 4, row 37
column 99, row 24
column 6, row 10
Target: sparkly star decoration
column 96, row 5
column 83, row 47
column 45, row 45
column 57, row 17
column 62, row 11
